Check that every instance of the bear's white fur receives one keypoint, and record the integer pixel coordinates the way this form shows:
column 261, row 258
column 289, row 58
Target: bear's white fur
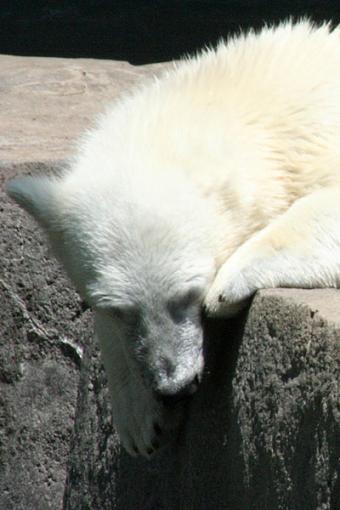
column 220, row 178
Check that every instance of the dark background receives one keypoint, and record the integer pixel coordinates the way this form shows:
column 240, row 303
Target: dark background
column 139, row 31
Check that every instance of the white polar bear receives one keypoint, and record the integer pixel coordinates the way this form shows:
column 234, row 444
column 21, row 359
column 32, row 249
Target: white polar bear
column 218, row 179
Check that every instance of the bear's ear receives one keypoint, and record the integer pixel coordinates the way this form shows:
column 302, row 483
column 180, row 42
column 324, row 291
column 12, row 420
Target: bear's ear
column 36, row 195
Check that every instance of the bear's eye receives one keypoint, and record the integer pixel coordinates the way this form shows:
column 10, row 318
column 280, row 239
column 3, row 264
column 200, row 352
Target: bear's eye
column 117, row 312
column 180, row 303
column 127, row 314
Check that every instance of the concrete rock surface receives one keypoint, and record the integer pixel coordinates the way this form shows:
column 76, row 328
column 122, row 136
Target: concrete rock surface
column 46, row 103
column 264, row 429
column 42, row 328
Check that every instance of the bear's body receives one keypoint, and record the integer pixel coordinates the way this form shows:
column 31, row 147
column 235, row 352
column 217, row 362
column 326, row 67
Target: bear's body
column 254, row 125
column 220, row 178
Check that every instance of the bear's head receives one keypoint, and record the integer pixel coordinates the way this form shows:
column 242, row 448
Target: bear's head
column 144, row 267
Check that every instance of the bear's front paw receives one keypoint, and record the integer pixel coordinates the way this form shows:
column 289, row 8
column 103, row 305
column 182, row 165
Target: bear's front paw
column 142, row 422
column 138, row 419
column 230, row 291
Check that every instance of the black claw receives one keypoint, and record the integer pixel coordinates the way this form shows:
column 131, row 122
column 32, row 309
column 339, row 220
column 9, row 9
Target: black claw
column 135, row 449
column 220, row 298
column 157, row 429
column 149, row 451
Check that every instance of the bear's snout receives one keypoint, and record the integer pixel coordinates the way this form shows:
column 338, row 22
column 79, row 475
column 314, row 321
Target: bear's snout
column 172, row 398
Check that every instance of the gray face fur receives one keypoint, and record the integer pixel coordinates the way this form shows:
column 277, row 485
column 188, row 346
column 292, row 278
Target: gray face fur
column 155, row 314
column 162, row 339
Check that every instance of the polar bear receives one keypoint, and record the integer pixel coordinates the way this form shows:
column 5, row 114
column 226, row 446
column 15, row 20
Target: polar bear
column 220, row 178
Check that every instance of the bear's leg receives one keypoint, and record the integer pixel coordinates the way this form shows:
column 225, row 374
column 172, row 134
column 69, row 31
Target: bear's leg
column 300, row 248
column 135, row 412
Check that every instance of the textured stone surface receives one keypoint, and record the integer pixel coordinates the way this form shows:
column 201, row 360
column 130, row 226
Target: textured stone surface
column 263, row 431
column 47, row 102
column 42, row 328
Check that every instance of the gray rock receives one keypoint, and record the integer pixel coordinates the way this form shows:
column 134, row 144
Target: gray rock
column 48, row 102
column 263, row 431
column 42, row 329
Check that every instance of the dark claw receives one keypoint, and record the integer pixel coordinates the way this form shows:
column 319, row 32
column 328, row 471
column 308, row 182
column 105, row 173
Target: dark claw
column 149, row 451
column 157, row 429
column 135, row 449
column 220, row 298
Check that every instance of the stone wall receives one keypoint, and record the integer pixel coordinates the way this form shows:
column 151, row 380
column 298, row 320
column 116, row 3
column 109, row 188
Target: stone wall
column 42, row 331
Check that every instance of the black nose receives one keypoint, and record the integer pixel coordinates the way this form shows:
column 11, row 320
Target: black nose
column 171, row 399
